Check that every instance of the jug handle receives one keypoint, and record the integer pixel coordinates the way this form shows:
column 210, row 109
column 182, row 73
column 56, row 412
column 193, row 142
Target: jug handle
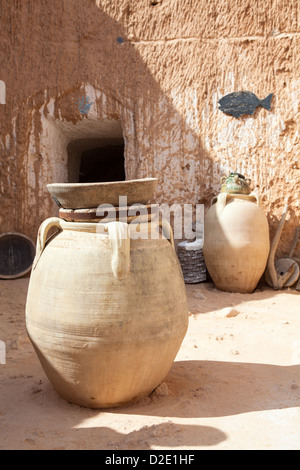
column 213, row 200
column 42, row 236
column 119, row 236
column 221, row 201
column 256, row 196
column 167, row 231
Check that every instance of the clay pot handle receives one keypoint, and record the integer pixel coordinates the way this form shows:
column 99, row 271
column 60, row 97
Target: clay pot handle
column 42, row 236
column 256, row 196
column 167, row 231
column 119, row 235
column 223, row 179
column 221, row 202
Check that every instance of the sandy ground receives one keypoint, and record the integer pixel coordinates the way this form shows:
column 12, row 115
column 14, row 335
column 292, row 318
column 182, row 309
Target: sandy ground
column 235, row 383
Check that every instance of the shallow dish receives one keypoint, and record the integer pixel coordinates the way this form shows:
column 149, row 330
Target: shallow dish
column 91, row 195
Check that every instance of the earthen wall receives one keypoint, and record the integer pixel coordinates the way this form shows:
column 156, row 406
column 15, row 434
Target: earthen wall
column 153, row 72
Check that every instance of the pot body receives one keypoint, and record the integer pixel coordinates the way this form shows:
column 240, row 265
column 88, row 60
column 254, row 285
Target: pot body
column 236, row 242
column 102, row 338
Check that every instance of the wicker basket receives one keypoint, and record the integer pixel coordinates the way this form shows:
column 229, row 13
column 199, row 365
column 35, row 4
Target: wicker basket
column 192, row 262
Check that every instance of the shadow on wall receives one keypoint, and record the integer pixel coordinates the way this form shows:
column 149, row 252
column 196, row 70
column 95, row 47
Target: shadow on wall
column 148, row 86
column 103, row 92
column 89, row 60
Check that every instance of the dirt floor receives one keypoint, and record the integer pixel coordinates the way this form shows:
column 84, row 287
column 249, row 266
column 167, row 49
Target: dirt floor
column 235, row 383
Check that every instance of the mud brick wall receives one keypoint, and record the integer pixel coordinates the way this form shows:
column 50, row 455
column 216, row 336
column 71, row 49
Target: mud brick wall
column 152, row 72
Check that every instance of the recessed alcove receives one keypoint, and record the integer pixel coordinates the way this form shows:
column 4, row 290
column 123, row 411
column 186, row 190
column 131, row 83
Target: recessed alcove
column 96, row 160
column 92, row 150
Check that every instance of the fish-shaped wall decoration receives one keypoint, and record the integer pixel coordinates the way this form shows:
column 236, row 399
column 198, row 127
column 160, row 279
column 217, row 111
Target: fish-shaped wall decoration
column 243, row 102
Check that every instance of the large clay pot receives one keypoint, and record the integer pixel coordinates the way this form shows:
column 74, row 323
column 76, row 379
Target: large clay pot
column 106, row 314
column 236, row 242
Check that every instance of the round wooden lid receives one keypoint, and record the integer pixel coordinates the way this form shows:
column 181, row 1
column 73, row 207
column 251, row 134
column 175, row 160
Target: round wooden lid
column 17, row 253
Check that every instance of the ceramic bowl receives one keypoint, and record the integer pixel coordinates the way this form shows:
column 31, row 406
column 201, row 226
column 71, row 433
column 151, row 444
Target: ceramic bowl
column 91, row 195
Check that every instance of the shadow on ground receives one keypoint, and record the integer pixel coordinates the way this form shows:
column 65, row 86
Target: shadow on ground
column 215, row 389
column 193, row 389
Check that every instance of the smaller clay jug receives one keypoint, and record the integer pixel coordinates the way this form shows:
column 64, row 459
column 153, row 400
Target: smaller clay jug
column 236, row 241
column 235, row 183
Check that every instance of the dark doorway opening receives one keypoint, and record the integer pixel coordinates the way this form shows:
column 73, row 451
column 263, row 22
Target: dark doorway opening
column 102, row 164
column 95, row 160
